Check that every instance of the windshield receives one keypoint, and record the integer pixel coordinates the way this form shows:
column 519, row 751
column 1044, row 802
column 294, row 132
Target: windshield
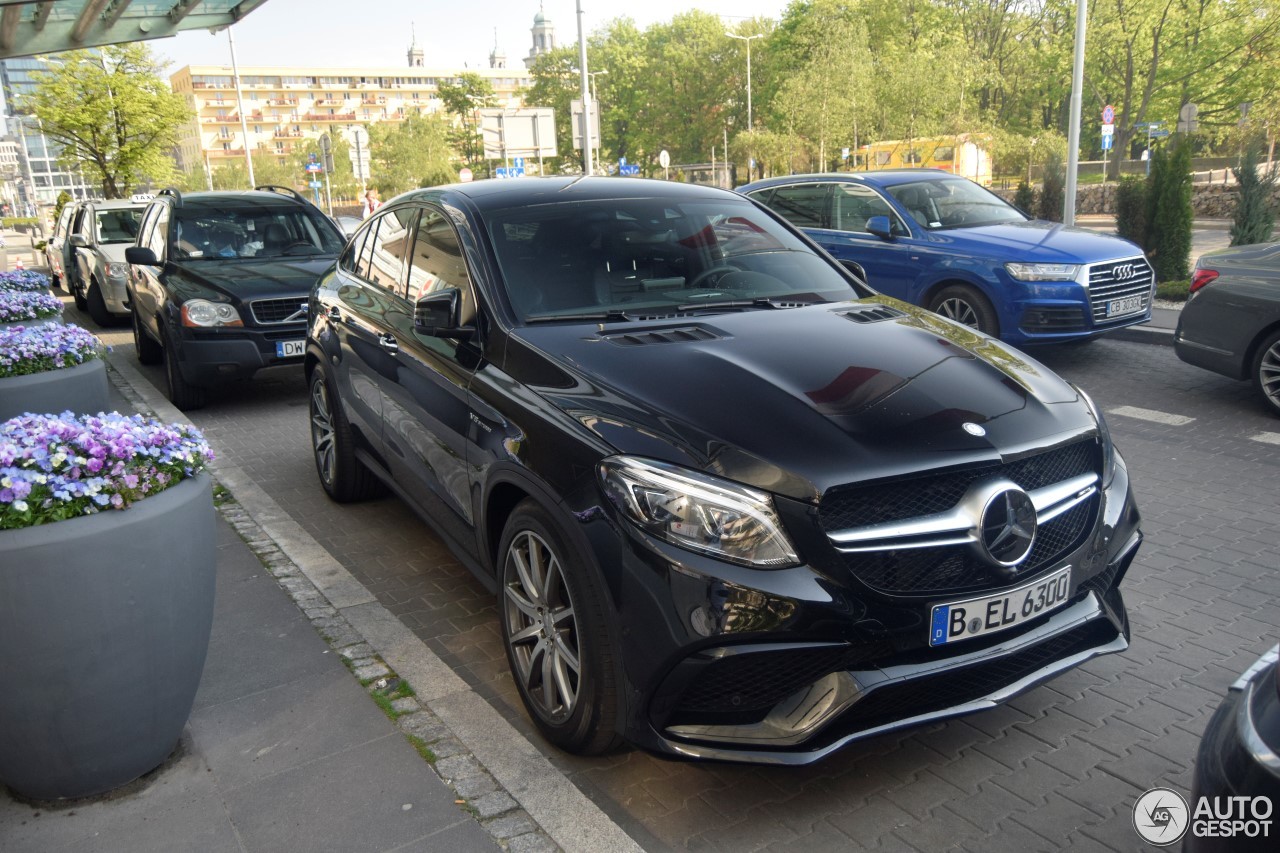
column 257, row 232
column 953, row 203
column 632, row 258
column 119, row 226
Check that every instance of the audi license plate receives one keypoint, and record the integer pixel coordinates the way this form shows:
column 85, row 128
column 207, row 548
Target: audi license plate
column 289, row 349
column 973, row 617
column 1120, row 307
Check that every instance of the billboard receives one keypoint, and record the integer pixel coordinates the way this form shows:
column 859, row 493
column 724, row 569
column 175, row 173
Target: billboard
column 527, row 132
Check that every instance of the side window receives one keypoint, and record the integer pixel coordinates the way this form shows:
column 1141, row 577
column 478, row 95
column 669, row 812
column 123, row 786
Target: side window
column 350, row 259
column 77, row 227
column 160, row 233
column 804, row 205
column 437, row 263
column 148, row 224
column 761, row 196
column 388, row 249
column 60, row 230
column 854, row 204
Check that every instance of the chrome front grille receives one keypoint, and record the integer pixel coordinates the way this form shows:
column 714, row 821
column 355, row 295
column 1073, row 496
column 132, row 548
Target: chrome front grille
column 909, row 536
column 292, row 309
column 1119, row 280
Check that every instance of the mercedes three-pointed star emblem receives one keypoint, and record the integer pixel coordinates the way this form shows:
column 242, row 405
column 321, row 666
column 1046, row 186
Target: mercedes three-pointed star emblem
column 1008, row 528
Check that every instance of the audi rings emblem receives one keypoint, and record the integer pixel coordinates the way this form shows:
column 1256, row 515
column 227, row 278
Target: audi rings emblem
column 1122, row 271
column 1008, row 528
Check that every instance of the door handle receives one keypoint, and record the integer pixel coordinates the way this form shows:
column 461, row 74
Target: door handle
column 388, row 342
column 334, row 314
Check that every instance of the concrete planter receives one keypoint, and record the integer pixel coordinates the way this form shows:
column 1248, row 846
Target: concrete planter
column 43, row 321
column 82, row 389
column 104, row 622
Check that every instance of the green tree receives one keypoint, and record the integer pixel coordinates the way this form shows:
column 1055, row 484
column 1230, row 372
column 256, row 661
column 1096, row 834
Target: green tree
column 63, row 198
column 1169, row 215
column 554, row 86
column 410, row 154
column 111, row 111
column 1131, row 210
column 1025, row 197
column 1255, row 217
column 1053, row 193
column 470, row 93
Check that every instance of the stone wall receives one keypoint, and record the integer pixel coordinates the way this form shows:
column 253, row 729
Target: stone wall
column 1208, row 201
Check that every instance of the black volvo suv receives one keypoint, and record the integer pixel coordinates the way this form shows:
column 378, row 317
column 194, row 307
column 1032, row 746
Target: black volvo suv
column 734, row 503
column 218, row 284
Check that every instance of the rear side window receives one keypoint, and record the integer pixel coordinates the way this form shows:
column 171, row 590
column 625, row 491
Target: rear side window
column 160, row 232
column 388, row 245
column 854, row 204
column 803, row 205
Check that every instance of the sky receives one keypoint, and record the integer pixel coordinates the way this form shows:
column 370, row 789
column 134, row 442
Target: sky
column 351, row 33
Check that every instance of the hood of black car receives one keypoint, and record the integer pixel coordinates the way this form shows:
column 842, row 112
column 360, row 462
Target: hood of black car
column 798, row 400
column 245, row 279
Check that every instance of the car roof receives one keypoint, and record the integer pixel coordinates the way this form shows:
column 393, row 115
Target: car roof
column 118, row 204
column 223, row 198
column 499, row 194
column 879, row 177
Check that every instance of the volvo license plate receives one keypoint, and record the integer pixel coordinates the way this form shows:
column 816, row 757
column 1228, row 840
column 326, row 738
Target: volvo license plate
column 290, row 349
column 973, row 617
column 1120, row 307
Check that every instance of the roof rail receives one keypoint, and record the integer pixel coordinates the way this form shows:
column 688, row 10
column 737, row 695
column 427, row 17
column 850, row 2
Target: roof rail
column 292, row 193
column 174, row 194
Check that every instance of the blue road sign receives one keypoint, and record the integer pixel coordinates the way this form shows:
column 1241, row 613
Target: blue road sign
column 629, row 170
column 1107, row 142
column 1108, row 114
column 314, row 167
column 518, row 162
column 1159, row 134
column 500, row 172
column 315, row 185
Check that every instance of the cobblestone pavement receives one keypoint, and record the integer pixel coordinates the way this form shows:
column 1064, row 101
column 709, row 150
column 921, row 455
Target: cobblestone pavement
column 1058, row 768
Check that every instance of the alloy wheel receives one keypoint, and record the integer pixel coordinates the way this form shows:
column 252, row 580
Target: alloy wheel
column 542, row 626
column 960, row 311
column 322, row 434
column 1269, row 374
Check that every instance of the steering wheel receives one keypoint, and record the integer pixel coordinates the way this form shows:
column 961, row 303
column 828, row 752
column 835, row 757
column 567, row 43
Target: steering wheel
column 296, row 244
column 723, row 269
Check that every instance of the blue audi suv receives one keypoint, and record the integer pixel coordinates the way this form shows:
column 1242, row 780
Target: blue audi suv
column 941, row 241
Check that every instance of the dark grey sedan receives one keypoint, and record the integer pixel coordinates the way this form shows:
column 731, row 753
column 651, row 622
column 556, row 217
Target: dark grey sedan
column 1231, row 323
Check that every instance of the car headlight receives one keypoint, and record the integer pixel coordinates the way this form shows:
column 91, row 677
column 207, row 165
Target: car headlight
column 1104, row 437
column 117, row 270
column 698, row 512
column 202, row 312
column 1043, row 272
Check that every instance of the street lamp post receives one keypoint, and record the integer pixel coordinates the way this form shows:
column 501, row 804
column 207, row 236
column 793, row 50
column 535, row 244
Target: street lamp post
column 594, row 100
column 1073, row 129
column 587, row 167
column 747, row 39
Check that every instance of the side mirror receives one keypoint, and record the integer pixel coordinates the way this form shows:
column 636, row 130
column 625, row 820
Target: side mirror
column 140, row 255
column 79, row 241
column 879, row 226
column 437, row 315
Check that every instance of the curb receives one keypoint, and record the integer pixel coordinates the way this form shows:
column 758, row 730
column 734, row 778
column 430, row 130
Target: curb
column 516, row 794
column 1143, row 335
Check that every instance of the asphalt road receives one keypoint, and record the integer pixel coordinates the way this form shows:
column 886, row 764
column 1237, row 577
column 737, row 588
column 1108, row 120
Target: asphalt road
column 1058, row 768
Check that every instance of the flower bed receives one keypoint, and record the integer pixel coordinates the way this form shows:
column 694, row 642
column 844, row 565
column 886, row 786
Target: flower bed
column 34, row 349
column 107, row 568
column 54, row 467
column 18, row 306
column 29, row 280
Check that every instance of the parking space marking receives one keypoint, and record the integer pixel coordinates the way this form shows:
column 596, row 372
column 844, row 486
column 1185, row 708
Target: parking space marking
column 1150, row 415
column 1267, row 437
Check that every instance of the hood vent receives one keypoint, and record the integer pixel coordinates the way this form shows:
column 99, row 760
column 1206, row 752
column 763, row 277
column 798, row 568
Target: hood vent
column 681, row 334
column 872, row 314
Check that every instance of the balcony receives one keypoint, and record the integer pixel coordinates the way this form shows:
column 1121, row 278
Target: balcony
column 327, row 117
column 330, row 102
column 231, row 119
column 282, row 102
column 372, row 101
column 281, row 133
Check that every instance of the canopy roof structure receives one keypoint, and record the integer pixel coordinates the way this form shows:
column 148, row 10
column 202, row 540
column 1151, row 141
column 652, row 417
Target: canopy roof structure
column 29, row 27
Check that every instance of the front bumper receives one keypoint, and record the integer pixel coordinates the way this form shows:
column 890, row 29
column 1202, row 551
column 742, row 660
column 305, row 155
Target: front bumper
column 115, row 295
column 788, row 666
column 209, row 356
column 1047, row 313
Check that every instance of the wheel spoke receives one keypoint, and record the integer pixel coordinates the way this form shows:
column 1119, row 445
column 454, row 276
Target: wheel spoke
column 526, row 633
column 568, row 695
column 531, row 588
column 525, row 606
column 562, row 614
column 564, row 653
column 548, row 680
column 551, row 576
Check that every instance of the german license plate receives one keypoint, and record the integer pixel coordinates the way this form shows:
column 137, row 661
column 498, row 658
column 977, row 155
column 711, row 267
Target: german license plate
column 973, row 617
column 289, row 349
column 1128, row 305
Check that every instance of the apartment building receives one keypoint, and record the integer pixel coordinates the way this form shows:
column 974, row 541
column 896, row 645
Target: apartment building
column 284, row 106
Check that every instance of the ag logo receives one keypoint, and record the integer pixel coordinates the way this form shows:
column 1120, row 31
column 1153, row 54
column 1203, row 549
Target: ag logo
column 1160, row 816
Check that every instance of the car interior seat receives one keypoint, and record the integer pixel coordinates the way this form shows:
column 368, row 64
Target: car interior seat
column 916, row 203
column 275, row 237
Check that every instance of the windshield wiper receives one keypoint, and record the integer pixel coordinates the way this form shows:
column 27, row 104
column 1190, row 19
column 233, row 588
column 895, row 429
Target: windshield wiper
column 740, row 303
column 594, row 316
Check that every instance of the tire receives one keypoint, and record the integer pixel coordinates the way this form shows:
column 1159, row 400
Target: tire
column 145, row 347
column 966, row 306
column 73, row 285
column 344, row 477
column 55, row 281
column 547, row 591
column 1266, row 371
column 181, row 393
column 98, row 306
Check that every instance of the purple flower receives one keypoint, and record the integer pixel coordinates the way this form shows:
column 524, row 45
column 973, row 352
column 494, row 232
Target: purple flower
column 16, row 305
column 34, row 349
column 42, row 479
